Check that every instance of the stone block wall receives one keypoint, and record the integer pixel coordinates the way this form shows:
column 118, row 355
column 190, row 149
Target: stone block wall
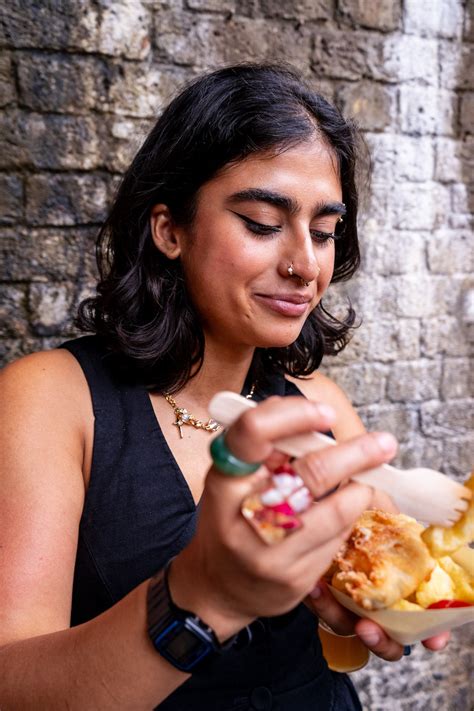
column 80, row 84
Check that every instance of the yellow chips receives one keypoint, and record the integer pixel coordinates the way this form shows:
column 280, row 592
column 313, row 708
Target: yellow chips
column 443, row 541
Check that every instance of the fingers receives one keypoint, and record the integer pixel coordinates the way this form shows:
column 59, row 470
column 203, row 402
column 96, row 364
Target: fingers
column 324, row 469
column 436, row 644
column 251, row 437
column 322, row 602
column 330, row 520
column 377, row 641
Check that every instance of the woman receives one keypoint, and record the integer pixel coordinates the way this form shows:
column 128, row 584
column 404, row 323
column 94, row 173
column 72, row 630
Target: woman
column 236, row 214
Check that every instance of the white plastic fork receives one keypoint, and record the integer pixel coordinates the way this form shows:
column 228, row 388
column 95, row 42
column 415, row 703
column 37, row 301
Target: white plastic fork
column 425, row 494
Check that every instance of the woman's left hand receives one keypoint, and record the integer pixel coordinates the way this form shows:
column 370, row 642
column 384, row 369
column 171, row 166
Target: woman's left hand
column 323, row 604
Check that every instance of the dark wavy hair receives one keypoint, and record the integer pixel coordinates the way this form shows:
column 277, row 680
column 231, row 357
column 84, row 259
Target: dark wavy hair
column 142, row 308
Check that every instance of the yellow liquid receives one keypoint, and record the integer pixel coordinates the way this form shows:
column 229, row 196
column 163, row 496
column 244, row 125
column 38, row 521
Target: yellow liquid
column 343, row 654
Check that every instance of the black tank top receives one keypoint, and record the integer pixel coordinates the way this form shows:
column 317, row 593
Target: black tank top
column 138, row 513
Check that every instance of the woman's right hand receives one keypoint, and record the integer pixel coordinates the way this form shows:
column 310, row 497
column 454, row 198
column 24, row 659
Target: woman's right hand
column 227, row 575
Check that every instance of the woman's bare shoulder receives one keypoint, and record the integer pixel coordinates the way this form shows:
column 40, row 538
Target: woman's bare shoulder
column 55, row 375
column 321, row 388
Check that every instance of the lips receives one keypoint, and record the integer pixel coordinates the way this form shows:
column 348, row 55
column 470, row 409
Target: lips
column 285, row 304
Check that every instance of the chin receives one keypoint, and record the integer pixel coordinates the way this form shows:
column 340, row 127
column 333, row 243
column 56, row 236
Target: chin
column 274, row 341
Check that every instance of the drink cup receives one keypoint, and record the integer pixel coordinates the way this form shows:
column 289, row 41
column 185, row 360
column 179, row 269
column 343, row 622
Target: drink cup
column 343, row 653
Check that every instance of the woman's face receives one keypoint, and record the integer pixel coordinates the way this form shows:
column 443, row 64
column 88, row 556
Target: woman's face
column 253, row 221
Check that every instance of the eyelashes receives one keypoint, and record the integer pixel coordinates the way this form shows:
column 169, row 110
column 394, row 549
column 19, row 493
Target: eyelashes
column 257, row 228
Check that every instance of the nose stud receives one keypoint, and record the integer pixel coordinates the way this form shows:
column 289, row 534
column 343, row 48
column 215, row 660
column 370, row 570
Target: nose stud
column 291, row 272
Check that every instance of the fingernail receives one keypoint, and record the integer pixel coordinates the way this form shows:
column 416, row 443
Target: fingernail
column 387, row 442
column 316, row 592
column 370, row 639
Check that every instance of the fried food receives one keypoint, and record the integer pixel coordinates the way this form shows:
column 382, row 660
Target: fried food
column 383, row 560
column 439, row 586
column 443, row 541
column 463, row 582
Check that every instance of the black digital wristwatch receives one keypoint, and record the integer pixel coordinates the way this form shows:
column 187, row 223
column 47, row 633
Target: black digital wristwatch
column 180, row 636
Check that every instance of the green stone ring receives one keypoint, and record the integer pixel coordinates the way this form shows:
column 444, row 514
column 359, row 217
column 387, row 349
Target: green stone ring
column 226, row 462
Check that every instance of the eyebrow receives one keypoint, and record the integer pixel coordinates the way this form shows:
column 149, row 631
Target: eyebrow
column 287, row 203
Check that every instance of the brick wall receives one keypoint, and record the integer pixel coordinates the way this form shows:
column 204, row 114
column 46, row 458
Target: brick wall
column 80, row 84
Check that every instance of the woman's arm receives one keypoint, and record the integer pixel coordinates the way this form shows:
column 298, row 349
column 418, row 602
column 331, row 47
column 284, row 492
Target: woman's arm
column 108, row 662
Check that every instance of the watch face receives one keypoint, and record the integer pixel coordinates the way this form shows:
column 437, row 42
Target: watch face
column 183, row 647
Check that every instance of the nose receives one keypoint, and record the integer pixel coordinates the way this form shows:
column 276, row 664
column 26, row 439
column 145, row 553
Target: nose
column 299, row 257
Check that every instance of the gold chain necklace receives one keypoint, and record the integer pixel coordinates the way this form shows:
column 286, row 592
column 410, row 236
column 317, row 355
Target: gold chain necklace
column 183, row 417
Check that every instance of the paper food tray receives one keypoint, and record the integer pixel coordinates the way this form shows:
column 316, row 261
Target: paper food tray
column 407, row 627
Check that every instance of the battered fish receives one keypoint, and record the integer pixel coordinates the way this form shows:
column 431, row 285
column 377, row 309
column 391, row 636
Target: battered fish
column 383, row 561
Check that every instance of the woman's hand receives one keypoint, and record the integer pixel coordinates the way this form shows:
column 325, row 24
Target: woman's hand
column 323, row 603
column 227, row 574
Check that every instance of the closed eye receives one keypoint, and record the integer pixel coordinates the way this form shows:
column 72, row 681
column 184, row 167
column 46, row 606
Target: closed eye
column 258, row 228
column 322, row 237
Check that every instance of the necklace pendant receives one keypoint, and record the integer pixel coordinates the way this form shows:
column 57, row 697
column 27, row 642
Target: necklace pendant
column 179, row 424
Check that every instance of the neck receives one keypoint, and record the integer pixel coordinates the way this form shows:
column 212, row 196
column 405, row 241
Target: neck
column 222, row 369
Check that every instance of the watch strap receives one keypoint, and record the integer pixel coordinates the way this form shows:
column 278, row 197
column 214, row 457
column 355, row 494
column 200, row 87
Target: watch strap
column 164, row 618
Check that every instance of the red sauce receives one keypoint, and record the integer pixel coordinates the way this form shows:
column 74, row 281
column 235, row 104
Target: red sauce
column 442, row 604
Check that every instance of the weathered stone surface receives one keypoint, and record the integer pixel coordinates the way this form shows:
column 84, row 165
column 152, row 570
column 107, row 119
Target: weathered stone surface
column 454, row 159
column 11, row 199
column 61, row 83
column 47, row 253
column 424, row 682
column 450, row 251
column 458, row 457
column 373, row 295
column 124, row 29
column 138, row 94
column 369, row 103
column 425, row 18
column 457, row 67
column 466, row 118
column 65, row 199
column 444, row 335
column 13, row 348
column 409, row 58
column 400, row 420
column 391, row 340
column 414, row 159
column 125, row 137
column 13, row 318
column 393, row 252
column 213, row 5
column 447, row 419
column 49, row 141
column 50, row 306
column 427, row 110
column 418, row 451
column 420, row 206
column 62, row 24
column 414, row 381
column 352, row 56
column 7, row 85
column 207, row 42
column 458, row 379
column 302, row 10
column 385, row 15
column 365, row 385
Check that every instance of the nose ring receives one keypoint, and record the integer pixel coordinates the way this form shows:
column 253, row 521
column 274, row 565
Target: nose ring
column 291, row 272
